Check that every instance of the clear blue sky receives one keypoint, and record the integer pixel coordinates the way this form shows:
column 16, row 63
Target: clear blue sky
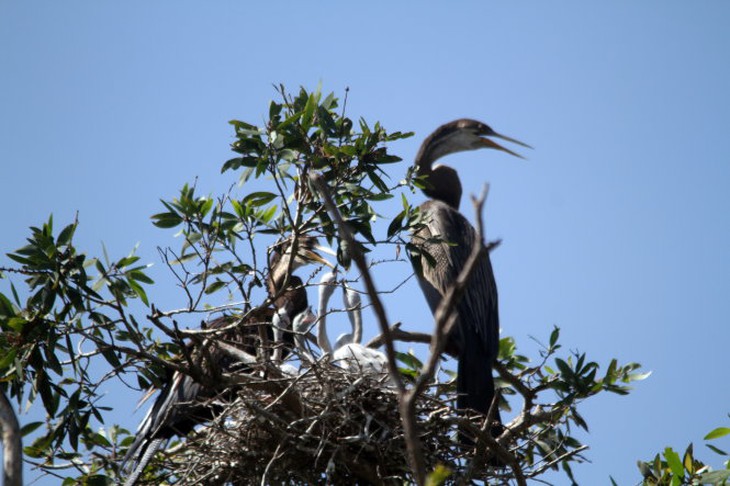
column 617, row 229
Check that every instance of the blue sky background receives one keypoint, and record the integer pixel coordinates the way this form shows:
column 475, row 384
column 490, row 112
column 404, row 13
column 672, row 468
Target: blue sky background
column 616, row 229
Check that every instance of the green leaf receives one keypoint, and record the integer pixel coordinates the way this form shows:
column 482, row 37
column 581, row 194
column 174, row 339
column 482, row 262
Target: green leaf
column 638, row 376
column 675, row 464
column 348, row 150
column 688, row 460
column 379, row 197
column 308, row 113
column 438, row 476
column 387, row 159
column 232, row 164
column 330, row 102
column 139, row 276
column 6, row 306
column 396, row 224
column 378, row 181
column 645, row 469
column 8, row 359
column 717, row 450
column 110, row 356
column 217, row 285
column 66, row 235
column 554, row 336
column 137, row 288
column 243, row 126
column 52, row 362
column 20, row 259
column 409, row 360
column 28, row 428
column 717, row 433
column 98, row 480
column 16, row 323
column 266, row 215
column 126, row 261
column 274, row 109
column 166, row 220
column 259, row 198
column 564, row 368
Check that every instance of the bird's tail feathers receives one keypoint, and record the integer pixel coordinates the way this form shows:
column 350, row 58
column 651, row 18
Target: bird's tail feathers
column 475, row 384
column 149, row 451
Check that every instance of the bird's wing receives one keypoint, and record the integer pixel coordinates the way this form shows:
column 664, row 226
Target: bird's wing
column 478, row 312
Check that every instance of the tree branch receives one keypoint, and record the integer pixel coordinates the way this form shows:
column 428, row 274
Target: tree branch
column 12, row 444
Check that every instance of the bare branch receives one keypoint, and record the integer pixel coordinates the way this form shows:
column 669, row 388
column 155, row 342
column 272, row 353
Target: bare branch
column 12, row 444
column 400, row 335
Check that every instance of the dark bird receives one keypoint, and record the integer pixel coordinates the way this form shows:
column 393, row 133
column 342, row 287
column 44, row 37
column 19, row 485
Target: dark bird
column 474, row 339
column 180, row 405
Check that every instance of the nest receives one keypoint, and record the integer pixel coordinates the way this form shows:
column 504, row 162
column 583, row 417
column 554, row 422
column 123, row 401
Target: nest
column 324, row 425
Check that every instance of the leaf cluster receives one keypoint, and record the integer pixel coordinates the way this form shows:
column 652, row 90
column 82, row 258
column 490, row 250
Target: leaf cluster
column 669, row 469
column 52, row 338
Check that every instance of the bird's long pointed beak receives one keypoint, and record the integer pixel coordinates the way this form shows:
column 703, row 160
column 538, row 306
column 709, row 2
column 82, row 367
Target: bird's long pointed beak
column 326, row 249
column 487, row 142
column 316, row 257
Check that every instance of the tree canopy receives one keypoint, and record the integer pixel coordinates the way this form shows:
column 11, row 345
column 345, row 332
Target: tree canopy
column 75, row 326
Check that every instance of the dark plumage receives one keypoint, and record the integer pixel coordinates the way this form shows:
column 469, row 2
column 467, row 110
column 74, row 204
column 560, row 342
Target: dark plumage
column 474, row 339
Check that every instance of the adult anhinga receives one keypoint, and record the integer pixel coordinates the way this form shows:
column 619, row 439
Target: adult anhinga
column 474, row 339
column 178, row 408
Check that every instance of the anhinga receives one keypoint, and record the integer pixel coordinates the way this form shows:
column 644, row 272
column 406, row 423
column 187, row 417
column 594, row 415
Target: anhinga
column 474, row 339
column 178, row 408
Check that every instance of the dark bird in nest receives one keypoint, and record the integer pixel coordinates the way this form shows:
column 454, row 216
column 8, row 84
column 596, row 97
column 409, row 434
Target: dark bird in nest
column 180, row 406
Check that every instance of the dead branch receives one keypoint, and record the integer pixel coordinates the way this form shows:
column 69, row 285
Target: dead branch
column 400, row 335
column 12, row 444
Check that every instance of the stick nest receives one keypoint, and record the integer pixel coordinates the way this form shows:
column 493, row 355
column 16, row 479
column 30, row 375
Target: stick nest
column 325, row 425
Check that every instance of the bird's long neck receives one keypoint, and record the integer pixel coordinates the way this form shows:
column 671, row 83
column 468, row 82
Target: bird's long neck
column 293, row 300
column 322, row 340
column 428, row 153
column 442, row 182
column 357, row 331
column 356, row 322
column 299, row 336
column 301, row 326
column 277, row 275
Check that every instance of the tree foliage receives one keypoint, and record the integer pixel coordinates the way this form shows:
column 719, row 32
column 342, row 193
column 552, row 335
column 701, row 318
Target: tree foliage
column 668, row 468
column 75, row 326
